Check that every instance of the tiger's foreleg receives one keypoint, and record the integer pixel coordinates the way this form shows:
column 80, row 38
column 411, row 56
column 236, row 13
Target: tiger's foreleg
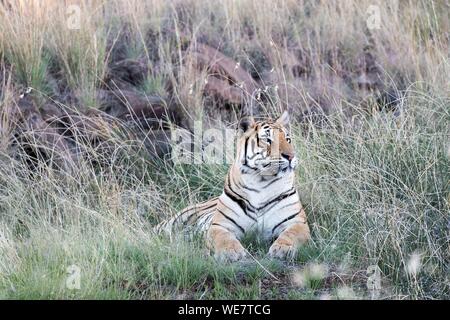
column 223, row 241
column 288, row 241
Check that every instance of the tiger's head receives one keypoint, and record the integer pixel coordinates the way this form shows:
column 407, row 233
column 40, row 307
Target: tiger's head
column 265, row 148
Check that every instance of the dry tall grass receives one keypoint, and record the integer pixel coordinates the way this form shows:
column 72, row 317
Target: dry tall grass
column 375, row 167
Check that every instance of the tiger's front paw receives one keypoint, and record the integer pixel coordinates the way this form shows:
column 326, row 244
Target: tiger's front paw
column 232, row 251
column 280, row 250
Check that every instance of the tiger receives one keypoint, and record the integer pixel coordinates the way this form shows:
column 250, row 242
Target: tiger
column 259, row 195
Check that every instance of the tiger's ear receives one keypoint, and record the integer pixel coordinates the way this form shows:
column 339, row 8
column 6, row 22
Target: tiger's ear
column 246, row 123
column 284, row 119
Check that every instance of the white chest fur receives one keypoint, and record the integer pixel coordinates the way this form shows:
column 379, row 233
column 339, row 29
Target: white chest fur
column 272, row 200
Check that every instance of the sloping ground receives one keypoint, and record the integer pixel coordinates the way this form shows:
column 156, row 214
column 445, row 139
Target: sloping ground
column 178, row 68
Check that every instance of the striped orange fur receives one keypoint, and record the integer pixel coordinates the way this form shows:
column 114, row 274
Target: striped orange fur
column 259, row 194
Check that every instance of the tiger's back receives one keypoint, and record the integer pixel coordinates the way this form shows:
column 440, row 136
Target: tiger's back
column 194, row 218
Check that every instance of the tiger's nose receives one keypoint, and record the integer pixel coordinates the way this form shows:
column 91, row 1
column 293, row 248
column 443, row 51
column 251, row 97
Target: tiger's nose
column 288, row 156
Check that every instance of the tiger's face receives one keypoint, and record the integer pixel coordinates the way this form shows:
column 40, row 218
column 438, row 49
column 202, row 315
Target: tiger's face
column 265, row 147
